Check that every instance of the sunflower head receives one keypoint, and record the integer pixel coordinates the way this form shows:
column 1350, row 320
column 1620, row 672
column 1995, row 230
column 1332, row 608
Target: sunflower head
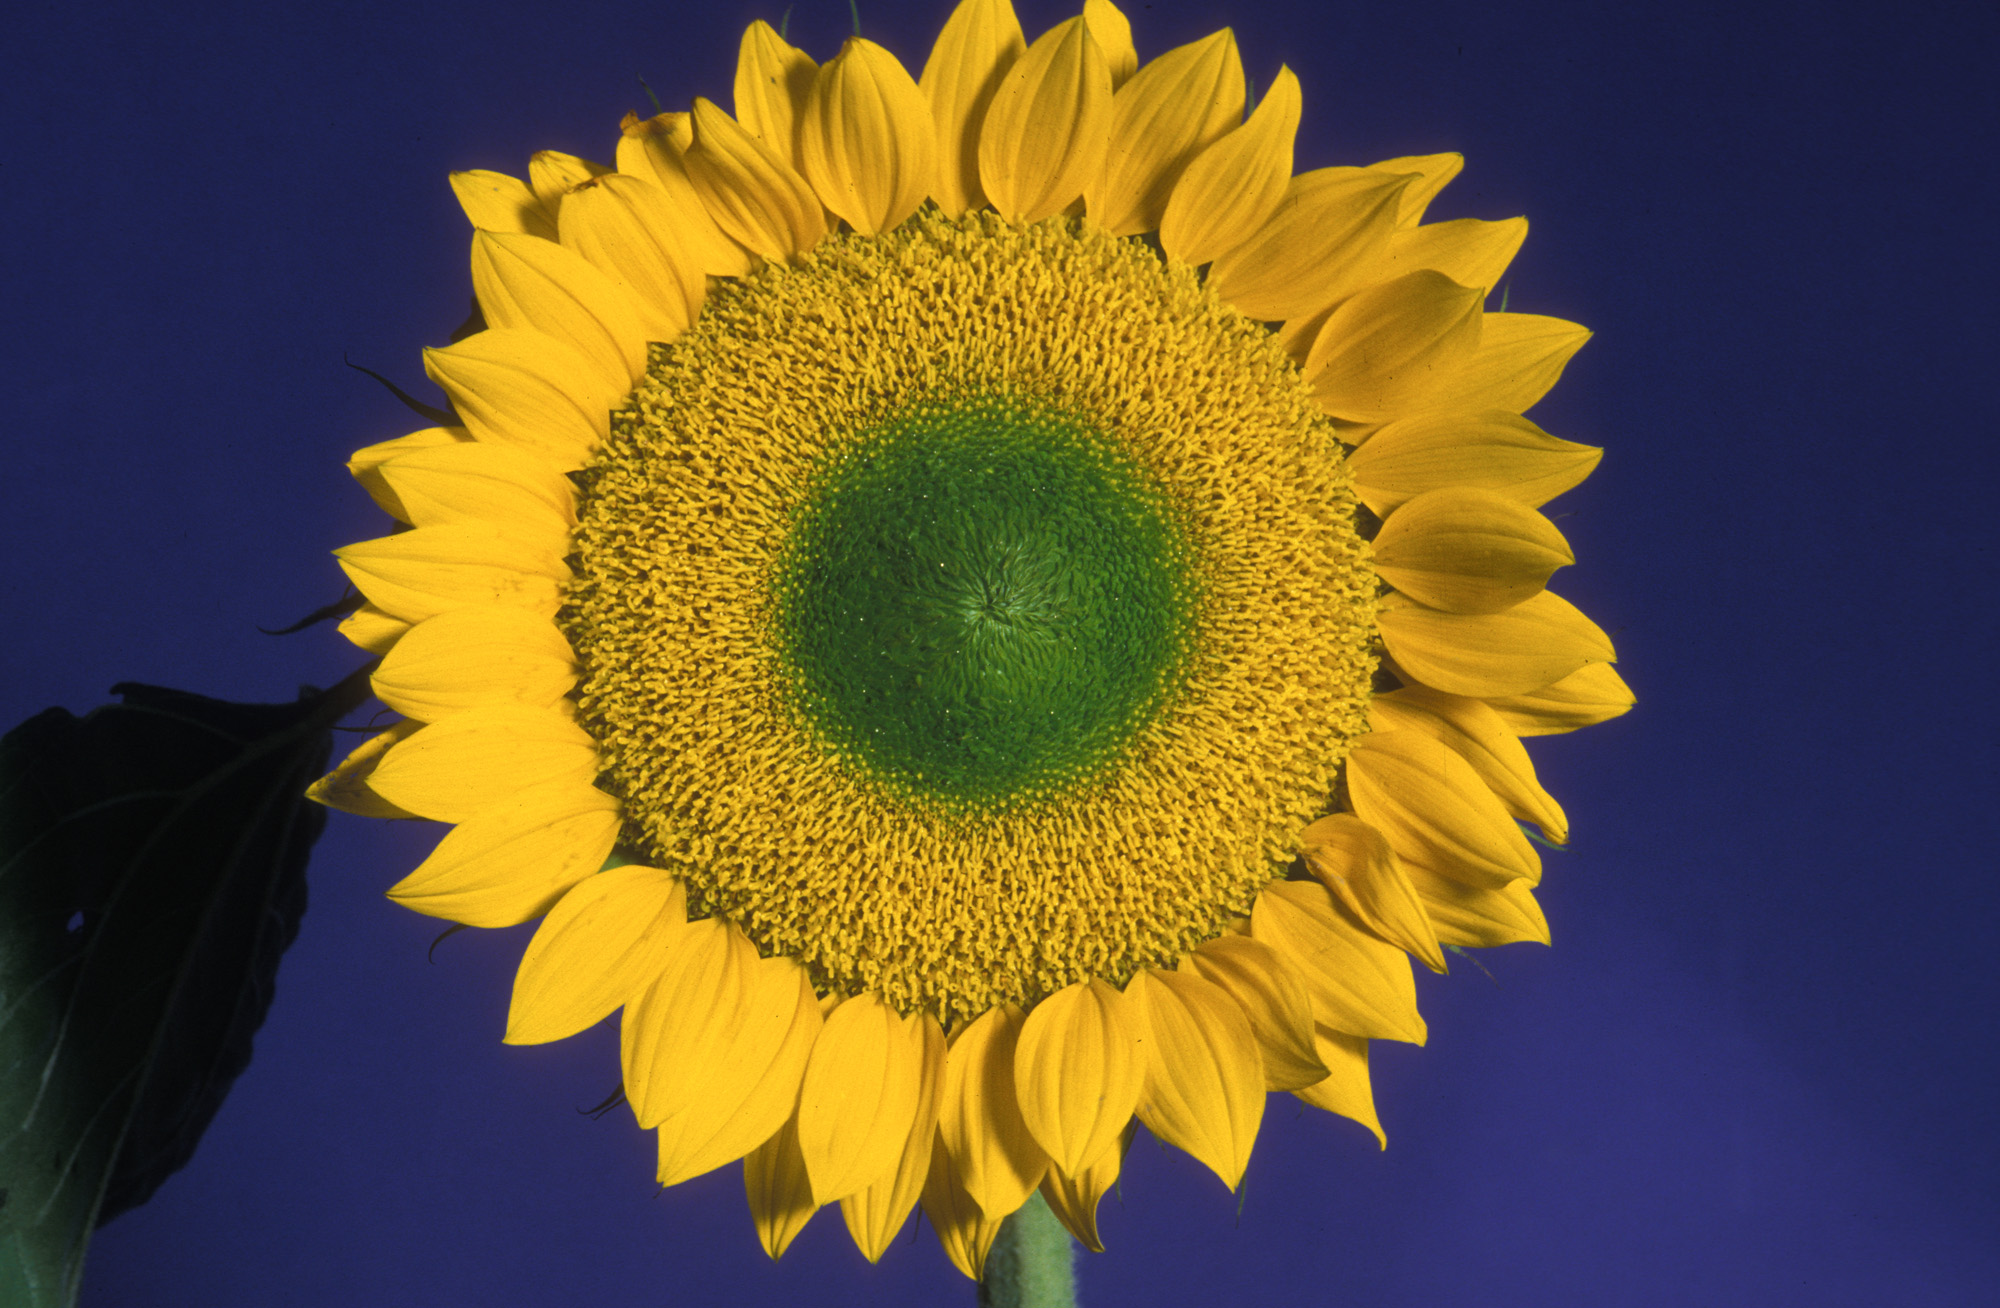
column 976, row 608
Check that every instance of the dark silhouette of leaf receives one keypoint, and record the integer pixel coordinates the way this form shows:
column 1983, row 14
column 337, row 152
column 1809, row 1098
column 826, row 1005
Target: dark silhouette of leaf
column 152, row 871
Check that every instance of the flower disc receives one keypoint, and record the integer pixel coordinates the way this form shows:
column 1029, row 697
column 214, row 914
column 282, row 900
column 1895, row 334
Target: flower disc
column 926, row 579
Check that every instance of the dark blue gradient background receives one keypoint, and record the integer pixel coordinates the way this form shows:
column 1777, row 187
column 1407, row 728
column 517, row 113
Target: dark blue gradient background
column 1758, row 1066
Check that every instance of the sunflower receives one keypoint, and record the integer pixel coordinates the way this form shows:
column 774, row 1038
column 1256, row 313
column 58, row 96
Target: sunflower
column 976, row 609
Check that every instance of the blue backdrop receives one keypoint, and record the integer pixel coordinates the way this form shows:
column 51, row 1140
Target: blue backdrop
column 1756, row 1068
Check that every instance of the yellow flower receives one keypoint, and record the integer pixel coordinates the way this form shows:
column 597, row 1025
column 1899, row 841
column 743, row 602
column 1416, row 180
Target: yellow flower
column 976, row 608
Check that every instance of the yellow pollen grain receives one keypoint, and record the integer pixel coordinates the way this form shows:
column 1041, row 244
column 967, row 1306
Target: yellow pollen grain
column 684, row 521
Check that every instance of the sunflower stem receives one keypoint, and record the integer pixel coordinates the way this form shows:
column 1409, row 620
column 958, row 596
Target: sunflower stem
column 1032, row 1263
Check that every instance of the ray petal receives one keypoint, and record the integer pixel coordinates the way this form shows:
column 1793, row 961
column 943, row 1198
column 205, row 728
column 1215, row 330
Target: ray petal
column 1047, row 126
column 867, row 143
column 962, row 1227
column 994, row 1154
column 980, row 42
column 1235, row 185
column 1078, row 1072
column 1493, row 450
column 876, row 1214
column 1176, row 107
column 746, row 1085
column 1467, row 550
column 1354, row 861
column 1436, row 812
column 1359, row 983
column 1593, row 693
column 1482, row 738
column 755, row 195
column 1074, row 1199
column 1535, row 644
column 599, row 946
column 527, row 284
column 1346, row 1089
column 774, row 1179
column 860, row 1097
column 510, row 863
column 1204, row 1075
column 451, row 771
column 495, row 202
column 1275, row 1001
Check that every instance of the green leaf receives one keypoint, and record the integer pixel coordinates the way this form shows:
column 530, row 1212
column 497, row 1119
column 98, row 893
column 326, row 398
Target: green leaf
column 152, row 871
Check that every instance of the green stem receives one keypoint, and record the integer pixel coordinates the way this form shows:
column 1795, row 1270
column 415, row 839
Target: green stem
column 1032, row 1263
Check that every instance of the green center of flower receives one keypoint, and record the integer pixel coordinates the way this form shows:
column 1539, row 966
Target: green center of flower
column 983, row 602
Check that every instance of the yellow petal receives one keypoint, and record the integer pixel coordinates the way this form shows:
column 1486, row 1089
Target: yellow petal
column 994, row 1155
column 598, row 947
column 1436, row 812
column 1113, row 33
column 673, row 130
column 1354, row 861
column 1432, row 172
column 1078, row 1072
column 486, row 485
column 860, row 1096
column 875, row 1215
column 415, row 574
column 527, row 391
column 1468, row 550
column 365, row 464
column 553, row 174
column 1387, row 347
column 1520, row 356
column 1176, row 107
column 1296, row 337
column 1492, row 450
column 372, row 629
column 755, row 196
column 773, row 81
column 1232, row 187
column 451, row 771
column 1204, row 1076
column 1074, row 1199
column 743, row 1085
column 654, row 148
column 513, row 861
column 1275, row 1001
column 468, row 658
column 679, row 1018
column 1470, row 252
column 528, row 284
column 1536, row 643
column 347, row 787
column 1475, row 916
column 774, row 1178
column 495, row 202
column 980, row 42
column 1328, row 218
column 627, row 229
column 965, row 1232
column 1346, row 1089
column 1047, row 126
column 1481, row 737
column 867, row 143
column 1592, row 694
column 1358, row 983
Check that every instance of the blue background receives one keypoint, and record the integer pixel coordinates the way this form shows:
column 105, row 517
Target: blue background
column 1758, row 1066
